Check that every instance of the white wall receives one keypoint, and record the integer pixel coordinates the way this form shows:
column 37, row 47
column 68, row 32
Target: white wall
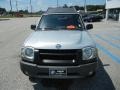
column 112, row 4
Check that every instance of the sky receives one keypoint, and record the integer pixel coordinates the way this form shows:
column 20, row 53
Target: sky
column 44, row 4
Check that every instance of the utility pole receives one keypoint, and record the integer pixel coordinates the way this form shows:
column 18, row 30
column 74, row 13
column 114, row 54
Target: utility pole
column 85, row 7
column 16, row 5
column 57, row 3
column 10, row 6
column 31, row 6
column 27, row 8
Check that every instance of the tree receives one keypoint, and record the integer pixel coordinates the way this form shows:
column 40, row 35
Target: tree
column 79, row 8
column 23, row 11
column 40, row 12
column 2, row 11
column 95, row 7
column 90, row 7
column 65, row 6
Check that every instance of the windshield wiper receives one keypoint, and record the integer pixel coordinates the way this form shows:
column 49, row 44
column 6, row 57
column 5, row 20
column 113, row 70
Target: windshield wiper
column 48, row 28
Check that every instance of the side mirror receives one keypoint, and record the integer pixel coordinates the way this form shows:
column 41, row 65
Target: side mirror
column 33, row 27
column 89, row 26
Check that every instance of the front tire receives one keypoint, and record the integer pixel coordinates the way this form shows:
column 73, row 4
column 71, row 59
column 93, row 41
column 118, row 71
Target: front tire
column 32, row 79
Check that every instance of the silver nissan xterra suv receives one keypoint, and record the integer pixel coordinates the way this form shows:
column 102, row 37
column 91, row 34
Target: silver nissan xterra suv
column 60, row 47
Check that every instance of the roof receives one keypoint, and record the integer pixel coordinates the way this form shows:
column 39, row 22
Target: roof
column 61, row 10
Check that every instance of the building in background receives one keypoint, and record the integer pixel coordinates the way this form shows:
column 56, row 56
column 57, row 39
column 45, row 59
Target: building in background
column 113, row 10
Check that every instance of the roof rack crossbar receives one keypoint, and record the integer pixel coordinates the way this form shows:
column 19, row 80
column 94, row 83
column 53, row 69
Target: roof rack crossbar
column 61, row 10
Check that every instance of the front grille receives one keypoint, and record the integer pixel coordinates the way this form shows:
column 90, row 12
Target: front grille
column 58, row 57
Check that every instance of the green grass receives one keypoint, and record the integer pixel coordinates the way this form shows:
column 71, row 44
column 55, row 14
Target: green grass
column 20, row 17
column 7, row 16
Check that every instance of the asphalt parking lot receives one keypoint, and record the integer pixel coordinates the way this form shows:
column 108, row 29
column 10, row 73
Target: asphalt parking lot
column 14, row 31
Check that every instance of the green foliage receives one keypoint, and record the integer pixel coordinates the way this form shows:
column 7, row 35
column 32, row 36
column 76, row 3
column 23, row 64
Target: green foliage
column 90, row 7
column 95, row 7
column 2, row 11
column 65, row 6
column 23, row 11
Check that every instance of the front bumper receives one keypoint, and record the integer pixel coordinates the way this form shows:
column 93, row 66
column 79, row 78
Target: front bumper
column 38, row 71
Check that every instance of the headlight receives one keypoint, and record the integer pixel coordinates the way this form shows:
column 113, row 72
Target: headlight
column 28, row 53
column 89, row 53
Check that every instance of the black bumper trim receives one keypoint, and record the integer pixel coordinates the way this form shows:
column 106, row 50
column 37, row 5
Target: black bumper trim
column 38, row 71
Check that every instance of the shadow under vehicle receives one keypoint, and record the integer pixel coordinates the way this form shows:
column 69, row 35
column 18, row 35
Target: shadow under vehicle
column 101, row 81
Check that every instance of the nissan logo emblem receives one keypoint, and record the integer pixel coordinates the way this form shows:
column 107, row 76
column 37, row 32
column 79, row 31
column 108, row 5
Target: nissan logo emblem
column 58, row 46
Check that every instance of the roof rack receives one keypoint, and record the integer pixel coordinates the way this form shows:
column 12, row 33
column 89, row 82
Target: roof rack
column 61, row 10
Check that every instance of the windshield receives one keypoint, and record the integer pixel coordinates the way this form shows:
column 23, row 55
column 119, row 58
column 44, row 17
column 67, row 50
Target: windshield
column 60, row 22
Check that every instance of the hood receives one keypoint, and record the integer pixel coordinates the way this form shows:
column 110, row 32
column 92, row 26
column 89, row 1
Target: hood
column 50, row 39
